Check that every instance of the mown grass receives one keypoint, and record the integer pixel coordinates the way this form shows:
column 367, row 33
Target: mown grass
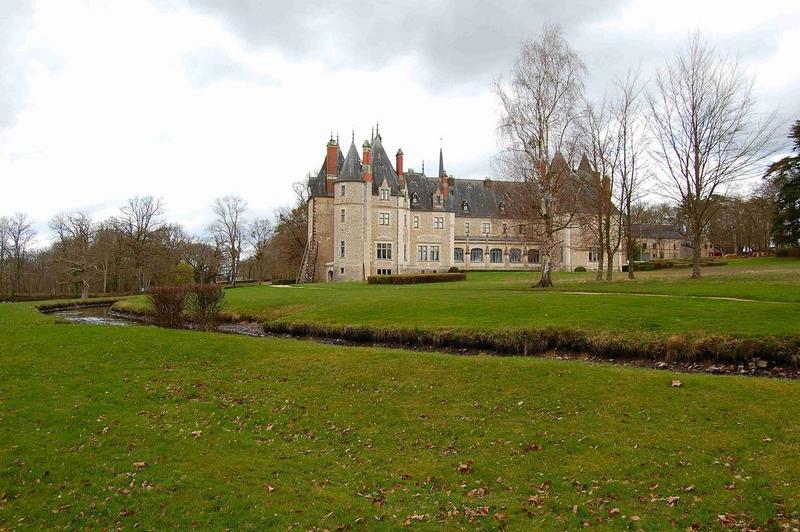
column 138, row 426
column 505, row 301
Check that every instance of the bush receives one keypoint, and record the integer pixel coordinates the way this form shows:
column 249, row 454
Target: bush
column 579, row 269
column 416, row 278
column 786, row 251
column 205, row 303
column 168, row 304
column 640, row 267
column 283, row 281
column 453, row 269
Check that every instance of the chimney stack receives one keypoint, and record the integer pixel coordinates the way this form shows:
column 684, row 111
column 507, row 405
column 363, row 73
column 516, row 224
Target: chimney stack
column 331, row 164
column 366, row 162
column 399, row 165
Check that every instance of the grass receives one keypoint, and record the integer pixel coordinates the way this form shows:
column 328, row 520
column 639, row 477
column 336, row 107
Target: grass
column 138, row 426
column 505, row 301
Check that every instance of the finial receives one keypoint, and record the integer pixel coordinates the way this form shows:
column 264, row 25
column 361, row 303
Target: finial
column 377, row 129
column 353, row 136
column 423, row 166
column 337, row 137
column 372, row 134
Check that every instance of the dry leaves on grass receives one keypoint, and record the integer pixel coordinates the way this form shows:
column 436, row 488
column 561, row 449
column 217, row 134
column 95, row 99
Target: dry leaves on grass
column 677, row 384
column 140, row 465
column 413, row 517
column 466, row 468
column 673, row 500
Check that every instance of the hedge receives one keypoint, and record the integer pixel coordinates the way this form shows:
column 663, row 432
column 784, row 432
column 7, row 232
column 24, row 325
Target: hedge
column 416, row 278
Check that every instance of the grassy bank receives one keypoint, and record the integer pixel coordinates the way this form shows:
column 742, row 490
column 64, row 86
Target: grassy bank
column 123, row 426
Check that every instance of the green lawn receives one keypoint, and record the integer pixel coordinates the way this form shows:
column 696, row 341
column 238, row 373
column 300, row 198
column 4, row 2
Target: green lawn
column 494, row 301
column 119, row 427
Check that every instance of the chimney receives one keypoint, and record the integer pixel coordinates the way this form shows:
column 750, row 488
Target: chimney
column 332, row 159
column 366, row 162
column 399, row 165
column 444, row 182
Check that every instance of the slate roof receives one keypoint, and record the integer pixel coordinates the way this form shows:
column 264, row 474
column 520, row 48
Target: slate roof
column 383, row 168
column 656, row 231
column 317, row 185
column 351, row 169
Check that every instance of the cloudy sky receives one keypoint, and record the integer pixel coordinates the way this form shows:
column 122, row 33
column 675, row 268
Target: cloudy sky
column 188, row 100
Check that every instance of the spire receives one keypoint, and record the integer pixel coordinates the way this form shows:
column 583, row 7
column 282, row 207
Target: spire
column 441, row 163
column 351, row 169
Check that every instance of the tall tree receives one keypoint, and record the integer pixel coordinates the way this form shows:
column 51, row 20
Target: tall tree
column 630, row 172
column 75, row 237
column 706, row 130
column 785, row 174
column 540, row 107
column 141, row 219
column 5, row 247
column 228, row 230
column 259, row 235
column 20, row 235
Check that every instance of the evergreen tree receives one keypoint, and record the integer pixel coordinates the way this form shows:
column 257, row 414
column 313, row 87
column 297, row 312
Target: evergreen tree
column 786, row 176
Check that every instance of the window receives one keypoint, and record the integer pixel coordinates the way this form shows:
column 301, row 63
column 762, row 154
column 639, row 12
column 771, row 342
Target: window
column 434, row 256
column 644, row 245
column 502, row 208
column 465, row 206
column 384, row 218
column 416, row 222
column 522, row 229
column 505, row 228
column 438, row 199
column 405, row 251
column 384, row 271
column 496, row 255
column 405, row 220
column 476, row 255
column 414, row 199
column 385, row 194
column 486, row 228
column 342, row 190
column 342, row 271
column 594, row 255
column 438, row 222
column 466, row 228
column 514, row 255
column 422, row 253
column 341, row 216
column 384, row 251
column 533, row 256
column 458, row 254
column 341, row 249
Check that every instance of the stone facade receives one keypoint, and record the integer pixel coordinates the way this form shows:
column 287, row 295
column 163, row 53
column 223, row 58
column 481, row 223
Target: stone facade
column 368, row 216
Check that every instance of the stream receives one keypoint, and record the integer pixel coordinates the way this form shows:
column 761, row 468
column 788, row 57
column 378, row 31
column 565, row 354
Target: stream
column 95, row 316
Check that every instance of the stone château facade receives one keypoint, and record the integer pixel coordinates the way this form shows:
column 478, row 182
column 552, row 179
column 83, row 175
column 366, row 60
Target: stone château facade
column 367, row 216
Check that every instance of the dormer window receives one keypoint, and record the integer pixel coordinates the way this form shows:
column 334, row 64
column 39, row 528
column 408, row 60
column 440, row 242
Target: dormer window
column 414, row 199
column 384, row 194
column 438, row 199
column 465, row 206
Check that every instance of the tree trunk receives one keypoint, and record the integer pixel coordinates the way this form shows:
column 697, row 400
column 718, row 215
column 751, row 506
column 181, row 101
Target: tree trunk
column 696, row 257
column 610, row 266
column 546, row 281
column 84, row 289
column 599, row 275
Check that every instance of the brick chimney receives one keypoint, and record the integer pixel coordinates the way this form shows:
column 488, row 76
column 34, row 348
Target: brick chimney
column 444, row 182
column 399, row 165
column 332, row 164
column 366, row 162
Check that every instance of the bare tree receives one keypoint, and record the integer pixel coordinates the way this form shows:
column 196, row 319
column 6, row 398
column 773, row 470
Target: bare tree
column 75, row 237
column 20, row 234
column 141, row 219
column 260, row 234
column 228, row 230
column 706, row 130
column 631, row 171
column 540, row 108
column 5, row 248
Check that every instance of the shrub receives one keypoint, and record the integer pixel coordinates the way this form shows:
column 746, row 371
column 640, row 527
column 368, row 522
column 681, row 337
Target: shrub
column 416, row 278
column 579, row 269
column 640, row 267
column 786, row 251
column 283, row 281
column 205, row 303
column 168, row 304
column 453, row 269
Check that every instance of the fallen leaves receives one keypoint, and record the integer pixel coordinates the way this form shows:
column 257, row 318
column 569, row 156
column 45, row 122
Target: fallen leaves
column 477, row 492
column 676, row 384
column 413, row 517
column 139, row 465
column 197, row 434
column 269, row 487
column 673, row 500
column 466, row 468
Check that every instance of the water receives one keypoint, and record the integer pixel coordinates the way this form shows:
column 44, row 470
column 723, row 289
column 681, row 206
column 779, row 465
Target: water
column 94, row 316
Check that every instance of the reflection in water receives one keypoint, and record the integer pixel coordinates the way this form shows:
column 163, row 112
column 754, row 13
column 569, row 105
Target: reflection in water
column 94, row 315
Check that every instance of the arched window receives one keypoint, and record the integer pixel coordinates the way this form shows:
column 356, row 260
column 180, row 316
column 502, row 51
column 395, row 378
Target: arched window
column 502, row 208
column 465, row 206
column 533, row 256
column 514, row 255
column 414, row 199
column 496, row 255
column 476, row 255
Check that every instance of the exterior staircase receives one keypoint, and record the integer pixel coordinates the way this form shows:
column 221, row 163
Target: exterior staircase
column 309, row 263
